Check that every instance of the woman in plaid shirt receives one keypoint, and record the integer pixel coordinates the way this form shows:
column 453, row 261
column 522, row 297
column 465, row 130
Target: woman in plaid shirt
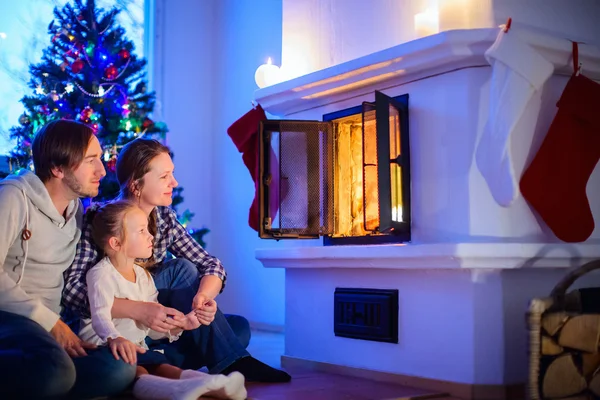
column 188, row 282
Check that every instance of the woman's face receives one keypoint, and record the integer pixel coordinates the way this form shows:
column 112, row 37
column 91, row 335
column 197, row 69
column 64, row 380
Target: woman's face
column 157, row 189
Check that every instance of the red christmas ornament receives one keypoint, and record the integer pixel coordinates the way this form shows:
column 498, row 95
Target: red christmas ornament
column 124, row 54
column 44, row 109
column 111, row 164
column 77, row 66
column 86, row 114
column 80, row 17
column 111, row 72
column 147, row 123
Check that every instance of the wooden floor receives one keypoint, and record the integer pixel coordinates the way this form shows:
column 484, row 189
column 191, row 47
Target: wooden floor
column 310, row 385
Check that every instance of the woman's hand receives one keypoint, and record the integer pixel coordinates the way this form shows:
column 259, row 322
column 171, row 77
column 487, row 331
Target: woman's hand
column 128, row 350
column 158, row 317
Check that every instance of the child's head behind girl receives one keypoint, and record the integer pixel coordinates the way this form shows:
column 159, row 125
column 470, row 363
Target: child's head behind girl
column 120, row 228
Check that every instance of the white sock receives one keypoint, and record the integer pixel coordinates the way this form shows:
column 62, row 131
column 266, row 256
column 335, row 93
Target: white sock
column 152, row 387
column 232, row 385
column 518, row 75
column 192, row 373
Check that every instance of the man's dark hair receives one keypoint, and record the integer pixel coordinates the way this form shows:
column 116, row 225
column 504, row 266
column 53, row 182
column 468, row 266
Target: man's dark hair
column 59, row 144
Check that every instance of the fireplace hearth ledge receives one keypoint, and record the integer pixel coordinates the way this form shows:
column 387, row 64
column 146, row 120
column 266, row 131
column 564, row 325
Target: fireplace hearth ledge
column 418, row 59
column 432, row 256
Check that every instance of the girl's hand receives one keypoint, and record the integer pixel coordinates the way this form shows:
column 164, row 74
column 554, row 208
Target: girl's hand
column 128, row 350
column 191, row 321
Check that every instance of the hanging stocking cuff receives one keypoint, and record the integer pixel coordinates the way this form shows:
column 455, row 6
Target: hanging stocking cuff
column 243, row 130
column 519, row 56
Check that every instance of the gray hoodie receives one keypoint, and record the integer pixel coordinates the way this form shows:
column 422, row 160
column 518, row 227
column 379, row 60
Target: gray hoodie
column 31, row 273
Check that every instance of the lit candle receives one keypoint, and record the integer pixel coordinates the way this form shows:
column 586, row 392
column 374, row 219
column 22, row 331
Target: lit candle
column 267, row 74
column 427, row 23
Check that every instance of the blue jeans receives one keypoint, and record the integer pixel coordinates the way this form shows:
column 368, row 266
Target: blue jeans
column 34, row 366
column 215, row 346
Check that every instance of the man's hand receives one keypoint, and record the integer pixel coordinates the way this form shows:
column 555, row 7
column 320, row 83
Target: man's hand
column 157, row 317
column 72, row 344
column 199, row 300
column 127, row 349
column 207, row 310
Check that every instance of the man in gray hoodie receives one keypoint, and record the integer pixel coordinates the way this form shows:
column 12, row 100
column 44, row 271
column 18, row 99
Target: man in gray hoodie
column 41, row 219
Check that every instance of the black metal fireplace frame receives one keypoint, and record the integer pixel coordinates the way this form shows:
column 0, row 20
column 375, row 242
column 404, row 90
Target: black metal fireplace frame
column 393, row 231
column 402, row 233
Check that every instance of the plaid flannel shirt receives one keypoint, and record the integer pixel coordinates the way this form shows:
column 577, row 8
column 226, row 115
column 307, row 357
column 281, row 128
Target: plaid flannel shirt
column 171, row 237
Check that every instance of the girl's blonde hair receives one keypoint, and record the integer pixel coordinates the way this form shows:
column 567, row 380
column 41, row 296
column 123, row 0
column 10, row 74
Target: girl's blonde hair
column 108, row 221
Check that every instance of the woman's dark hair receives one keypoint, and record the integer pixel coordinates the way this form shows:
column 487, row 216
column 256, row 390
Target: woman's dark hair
column 60, row 143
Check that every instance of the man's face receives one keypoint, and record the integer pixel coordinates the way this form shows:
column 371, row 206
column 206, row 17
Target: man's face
column 84, row 180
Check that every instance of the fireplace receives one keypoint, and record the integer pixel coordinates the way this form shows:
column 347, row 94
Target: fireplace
column 465, row 279
column 346, row 178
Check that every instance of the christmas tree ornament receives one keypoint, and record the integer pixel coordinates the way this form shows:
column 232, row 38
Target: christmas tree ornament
column 53, row 95
column 148, row 123
column 519, row 73
column 24, row 119
column 77, row 66
column 555, row 182
column 111, row 72
column 89, row 49
column 86, row 114
column 124, row 54
column 43, row 109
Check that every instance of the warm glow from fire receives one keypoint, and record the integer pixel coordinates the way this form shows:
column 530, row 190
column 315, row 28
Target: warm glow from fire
column 356, row 191
column 349, row 216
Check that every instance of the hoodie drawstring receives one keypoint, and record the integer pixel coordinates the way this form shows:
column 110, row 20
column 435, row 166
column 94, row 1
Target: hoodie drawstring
column 25, row 235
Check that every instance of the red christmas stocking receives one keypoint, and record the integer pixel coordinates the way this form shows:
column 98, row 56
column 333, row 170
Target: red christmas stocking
column 555, row 182
column 244, row 134
column 243, row 131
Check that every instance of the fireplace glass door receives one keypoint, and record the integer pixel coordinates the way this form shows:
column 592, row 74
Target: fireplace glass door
column 346, row 179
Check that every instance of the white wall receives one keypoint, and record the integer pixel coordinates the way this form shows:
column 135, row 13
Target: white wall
column 206, row 53
column 249, row 31
column 320, row 33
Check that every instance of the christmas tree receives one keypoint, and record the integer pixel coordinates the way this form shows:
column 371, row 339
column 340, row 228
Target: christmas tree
column 90, row 73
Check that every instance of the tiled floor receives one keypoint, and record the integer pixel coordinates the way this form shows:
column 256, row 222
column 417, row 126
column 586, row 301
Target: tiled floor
column 310, row 385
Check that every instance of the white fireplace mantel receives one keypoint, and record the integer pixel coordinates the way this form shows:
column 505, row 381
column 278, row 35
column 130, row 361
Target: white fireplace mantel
column 411, row 61
column 433, row 256
column 495, row 239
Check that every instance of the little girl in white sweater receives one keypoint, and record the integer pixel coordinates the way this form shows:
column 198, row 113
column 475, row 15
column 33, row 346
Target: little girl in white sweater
column 121, row 229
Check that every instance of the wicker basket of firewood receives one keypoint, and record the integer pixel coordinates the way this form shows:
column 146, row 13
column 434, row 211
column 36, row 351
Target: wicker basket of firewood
column 564, row 329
